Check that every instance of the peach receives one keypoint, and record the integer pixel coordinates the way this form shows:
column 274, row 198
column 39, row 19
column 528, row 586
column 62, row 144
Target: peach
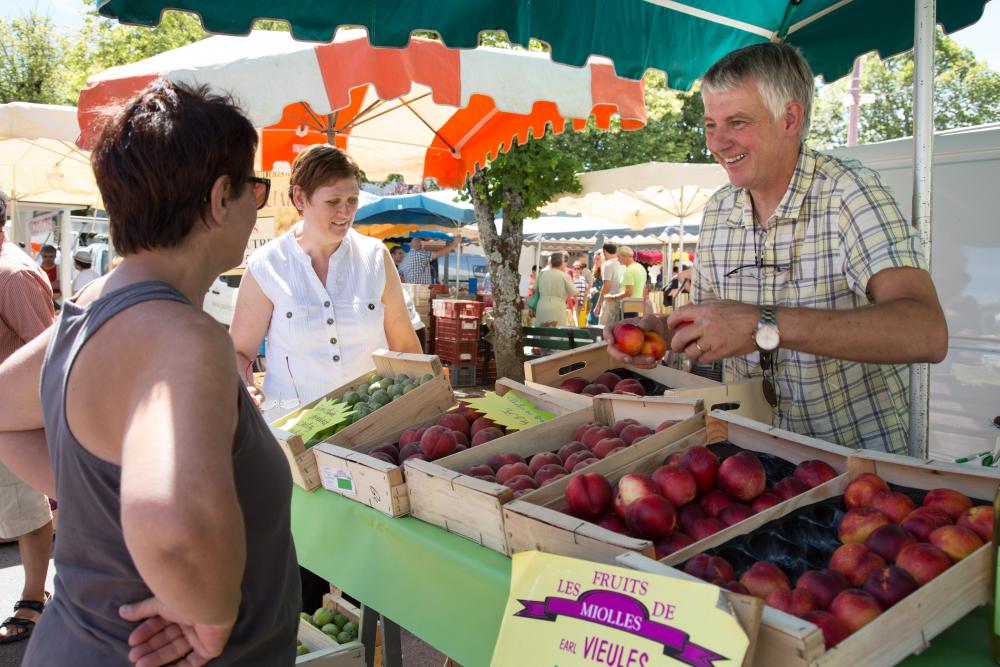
column 734, row 586
column 548, row 473
column 382, row 456
column 687, row 515
column 763, row 501
column 584, row 463
column 461, row 439
column 664, row 425
column 459, row 446
column 823, row 585
column 571, row 448
column 703, row 528
column 789, row 487
column 653, row 345
column 455, row 422
column 703, row 464
column 409, row 450
column 589, row 495
column 574, row 385
column 629, row 387
column 603, row 448
column 733, row 514
column 622, row 423
column 952, row 502
column 762, row 578
column 386, row 448
column 484, row 435
column 633, row 432
column 814, row 472
column 956, row 541
column 859, row 523
column 673, row 459
column 594, row 435
column 613, row 522
column 861, row 491
column 742, row 477
column 576, row 457
column 714, row 501
column 521, row 483
column 477, row 470
column 935, row 514
column 796, row 603
column 888, row 541
column 980, row 520
column 583, row 428
column 896, row 506
column 543, row 458
column 673, row 541
column 628, row 338
column 479, row 424
column 470, row 413
column 595, row 390
column 437, row 442
column 856, row 608
column 676, row 484
column 498, row 461
column 608, row 379
column 522, row 492
column 890, row 584
column 854, row 562
column 650, row 516
column 717, row 567
column 923, row 561
column 919, row 526
column 512, row 470
column 834, row 630
column 410, row 435
column 697, row 566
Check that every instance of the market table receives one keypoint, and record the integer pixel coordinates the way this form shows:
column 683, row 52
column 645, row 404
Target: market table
column 451, row 593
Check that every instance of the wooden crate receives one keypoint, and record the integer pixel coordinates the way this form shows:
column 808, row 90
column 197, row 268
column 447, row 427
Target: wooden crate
column 473, row 508
column 548, row 372
column 325, row 652
column 744, row 398
column 908, row 626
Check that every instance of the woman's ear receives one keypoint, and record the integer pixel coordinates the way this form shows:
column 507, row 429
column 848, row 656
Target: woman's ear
column 299, row 197
column 219, row 198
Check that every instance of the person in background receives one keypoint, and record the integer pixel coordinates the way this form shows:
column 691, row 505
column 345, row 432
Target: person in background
column 175, row 542
column 554, row 287
column 25, row 312
column 596, row 289
column 527, row 283
column 582, row 281
column 612, row 272
column 83, row 261
column 416, row 267
column 632, row 284
column 398, row 254
column 51, row 269
column 671, row 288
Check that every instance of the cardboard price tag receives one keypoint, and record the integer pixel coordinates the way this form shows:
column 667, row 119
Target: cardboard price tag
column 566, row 612
column 325, row 415
column 511, row 411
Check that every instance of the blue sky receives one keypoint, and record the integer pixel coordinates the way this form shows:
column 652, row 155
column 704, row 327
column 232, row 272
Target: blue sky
column 981, row 37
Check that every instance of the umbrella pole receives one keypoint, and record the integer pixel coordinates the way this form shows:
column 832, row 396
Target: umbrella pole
column 924, row 30
column 66, row 250
column 458, row 269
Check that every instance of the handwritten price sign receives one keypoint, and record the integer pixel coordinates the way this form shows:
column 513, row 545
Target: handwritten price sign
column 511, row 411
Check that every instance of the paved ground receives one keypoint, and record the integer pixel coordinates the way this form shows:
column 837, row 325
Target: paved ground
column 415, row 652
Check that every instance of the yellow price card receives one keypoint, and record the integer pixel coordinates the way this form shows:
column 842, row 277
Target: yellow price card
column 511, row 411
column 564, row 612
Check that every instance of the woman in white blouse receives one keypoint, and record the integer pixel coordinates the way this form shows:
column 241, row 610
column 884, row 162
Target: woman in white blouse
column 325, row 295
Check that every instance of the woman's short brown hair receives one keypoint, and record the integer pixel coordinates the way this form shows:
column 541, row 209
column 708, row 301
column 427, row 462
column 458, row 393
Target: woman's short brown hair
column 319, row 165
column 157, row 159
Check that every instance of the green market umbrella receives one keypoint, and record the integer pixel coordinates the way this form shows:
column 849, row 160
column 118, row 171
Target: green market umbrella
column 680, row 38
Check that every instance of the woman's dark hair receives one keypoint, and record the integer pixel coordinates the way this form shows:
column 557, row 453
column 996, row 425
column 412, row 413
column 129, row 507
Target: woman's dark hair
column 157, row 159
column 556, row 260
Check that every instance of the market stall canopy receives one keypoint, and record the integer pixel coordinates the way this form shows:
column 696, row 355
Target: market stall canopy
column 437, row 208
column 680, row 37
column 643, row 195
column 424, row 111
column 39, row 160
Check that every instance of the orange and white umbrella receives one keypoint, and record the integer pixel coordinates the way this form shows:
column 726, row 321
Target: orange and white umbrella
column 424, row 111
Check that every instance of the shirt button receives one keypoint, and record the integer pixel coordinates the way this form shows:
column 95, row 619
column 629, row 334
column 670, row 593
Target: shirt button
column 336, row 357
column 329, row 320
column 288, row 314
column 371, row 306
column 333, row 341
column 326, row 304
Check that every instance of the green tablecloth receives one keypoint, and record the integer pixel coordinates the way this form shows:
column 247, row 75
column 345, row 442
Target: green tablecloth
column 451, row 592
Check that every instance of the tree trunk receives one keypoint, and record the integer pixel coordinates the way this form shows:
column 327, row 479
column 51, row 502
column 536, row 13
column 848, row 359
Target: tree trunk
column 503, row 252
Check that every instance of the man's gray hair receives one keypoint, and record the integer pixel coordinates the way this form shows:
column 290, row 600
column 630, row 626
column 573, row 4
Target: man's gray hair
column 780, row 72
column 4, row 201
column 556, row 260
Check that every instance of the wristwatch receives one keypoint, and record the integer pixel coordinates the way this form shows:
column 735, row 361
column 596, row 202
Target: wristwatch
column 766, row 335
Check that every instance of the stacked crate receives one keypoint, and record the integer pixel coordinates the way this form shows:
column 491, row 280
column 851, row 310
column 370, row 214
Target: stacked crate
column 457, row 340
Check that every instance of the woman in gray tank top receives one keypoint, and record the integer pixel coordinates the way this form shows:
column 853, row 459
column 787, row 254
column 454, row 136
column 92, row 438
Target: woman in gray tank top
column 174, row 542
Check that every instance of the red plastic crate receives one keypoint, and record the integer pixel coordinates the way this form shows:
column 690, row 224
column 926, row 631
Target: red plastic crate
column 456, row 328
column 461, row 309
column 458, row 351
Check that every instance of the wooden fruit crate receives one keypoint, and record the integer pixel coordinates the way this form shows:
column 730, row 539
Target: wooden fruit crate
column 473, row 508
column 380, row 484
column 548, row 372
column 533, row 522
column 747, row 396
column 908, row 626
column 302, row 461
column 324, row 651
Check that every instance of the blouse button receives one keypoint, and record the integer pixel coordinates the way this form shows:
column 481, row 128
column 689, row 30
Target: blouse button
column 336, row 357
column 371, row 306
column 329, row 320
column 333, row 341
column 326, row 304
column 288, row 314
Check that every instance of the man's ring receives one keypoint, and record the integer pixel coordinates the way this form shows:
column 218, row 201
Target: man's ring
column 701, row 351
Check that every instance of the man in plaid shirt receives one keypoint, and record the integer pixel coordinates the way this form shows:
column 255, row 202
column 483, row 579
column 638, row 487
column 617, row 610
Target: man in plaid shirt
column 807, row 273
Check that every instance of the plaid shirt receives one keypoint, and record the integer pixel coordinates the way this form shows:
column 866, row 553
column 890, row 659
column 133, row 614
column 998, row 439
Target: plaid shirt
column 835, row 228
column 416, row 267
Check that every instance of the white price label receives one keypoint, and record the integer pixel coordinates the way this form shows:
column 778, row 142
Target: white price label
column 337, row 480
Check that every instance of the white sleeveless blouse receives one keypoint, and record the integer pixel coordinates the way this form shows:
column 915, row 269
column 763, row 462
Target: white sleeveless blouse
column 328, row 332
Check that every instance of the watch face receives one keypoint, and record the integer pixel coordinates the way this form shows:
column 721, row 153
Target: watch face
column 767, row 337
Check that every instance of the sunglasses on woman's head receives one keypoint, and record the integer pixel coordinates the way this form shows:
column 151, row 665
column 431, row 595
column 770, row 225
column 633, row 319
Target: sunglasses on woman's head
column 261, row 190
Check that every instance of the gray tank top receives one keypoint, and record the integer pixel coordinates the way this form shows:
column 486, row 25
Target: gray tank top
column 94, row 571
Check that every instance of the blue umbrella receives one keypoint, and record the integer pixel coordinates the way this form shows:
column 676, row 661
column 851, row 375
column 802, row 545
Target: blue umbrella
column 426, row 208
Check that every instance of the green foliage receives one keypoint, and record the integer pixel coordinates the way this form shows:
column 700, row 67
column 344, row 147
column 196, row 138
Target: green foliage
column 30, row 50
column 966, row 92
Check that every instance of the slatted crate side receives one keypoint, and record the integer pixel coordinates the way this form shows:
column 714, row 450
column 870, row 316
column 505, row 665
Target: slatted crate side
column 431, row 399
column 977, row 482
column 325, row 651
column 549, row 402
column 376, row 483
column 761, row 437
column 649, row 411
column 748, row 397
column 301, row 461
